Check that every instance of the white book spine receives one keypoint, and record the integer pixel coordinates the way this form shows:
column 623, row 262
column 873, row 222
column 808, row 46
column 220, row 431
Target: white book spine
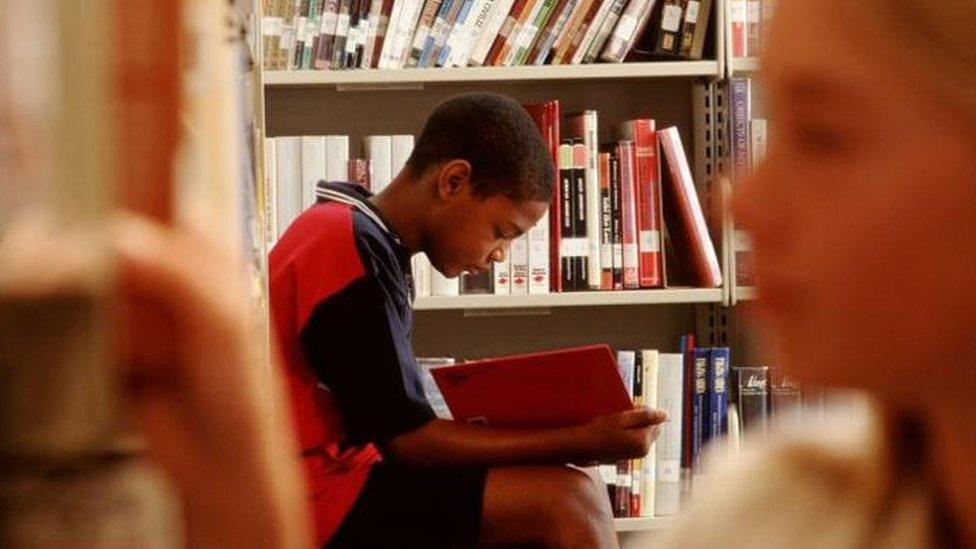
column 440, row 285
column 458, row 34
column 289, row 180
column 522, row 34
column 480, row 13
column 520, row 265
column 386, row 52
column 379, row 150
column 404, row 36
column 488, row 34
column 649, row 362
column 591, row 31
column 337, row 158
column 591, row 140
column 313, row 167
column 421, row 275
column 503, row 277
column 401, row 148
column 670, row 386
column 539, row 277
column 376, row 6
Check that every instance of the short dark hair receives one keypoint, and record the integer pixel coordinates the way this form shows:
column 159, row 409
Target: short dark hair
column 497, row 136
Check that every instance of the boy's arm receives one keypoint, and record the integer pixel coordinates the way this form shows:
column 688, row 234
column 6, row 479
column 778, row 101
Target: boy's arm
column 450, row 443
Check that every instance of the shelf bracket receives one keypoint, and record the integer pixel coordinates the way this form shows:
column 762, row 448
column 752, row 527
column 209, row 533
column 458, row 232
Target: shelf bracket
column 379, row 86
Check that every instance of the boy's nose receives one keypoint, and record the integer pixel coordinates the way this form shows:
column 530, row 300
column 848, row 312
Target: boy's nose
column 497, row 255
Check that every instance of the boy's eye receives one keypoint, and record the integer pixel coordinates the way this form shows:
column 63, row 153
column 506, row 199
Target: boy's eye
column 820, row 139
column 501, row 235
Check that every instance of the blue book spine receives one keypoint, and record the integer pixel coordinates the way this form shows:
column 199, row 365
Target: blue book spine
column 431, row 40
column 700, row 402
column 718, row 391
column 458, row 27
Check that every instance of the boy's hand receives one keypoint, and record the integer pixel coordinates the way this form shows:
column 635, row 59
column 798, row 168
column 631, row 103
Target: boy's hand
column 624, row 435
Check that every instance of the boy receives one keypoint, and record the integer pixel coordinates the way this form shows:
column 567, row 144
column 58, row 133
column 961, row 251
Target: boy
column 382, row 470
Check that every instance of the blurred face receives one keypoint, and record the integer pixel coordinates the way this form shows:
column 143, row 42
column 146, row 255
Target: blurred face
column 863, row 215
column 468, row 233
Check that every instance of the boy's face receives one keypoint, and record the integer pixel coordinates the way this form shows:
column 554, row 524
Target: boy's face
column 469, row 233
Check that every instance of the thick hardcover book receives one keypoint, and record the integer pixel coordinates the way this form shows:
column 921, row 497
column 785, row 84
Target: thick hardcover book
column 649, row 360
column 629, row 28
column 686, row 221
column 519, row 258
column 503, row 276
column 753, row 396
column 616, row 221
column 492, row 27
column 606, row 224
column 650, row 243
column 668, row 36
column 694, row 29
column 546, row 116
column 583, row 126
column 581, row 224
column 718, row 392
column 702, row 418
column 740, row 102
column 567, row 226
column 480, row 283
column 537, row 390
column 427, row 17
column 508, row 25
column 628, row 215
column 667, row 484
column 739, row 18
column 313, row 167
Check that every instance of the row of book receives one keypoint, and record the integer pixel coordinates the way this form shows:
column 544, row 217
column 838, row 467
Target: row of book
column 707, row 401
column 346, row 34
column 748, row 143
column 749, row 19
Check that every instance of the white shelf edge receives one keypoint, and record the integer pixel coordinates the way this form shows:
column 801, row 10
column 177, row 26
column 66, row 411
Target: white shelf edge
column 643, row 524
column 572, row 299
column 392, row 77
column 745, row 293
column 745, row 65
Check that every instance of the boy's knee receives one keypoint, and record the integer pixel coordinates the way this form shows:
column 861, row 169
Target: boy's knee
column 583, row 509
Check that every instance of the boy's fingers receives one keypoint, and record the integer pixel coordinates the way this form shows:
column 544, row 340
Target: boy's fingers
column 642, row 417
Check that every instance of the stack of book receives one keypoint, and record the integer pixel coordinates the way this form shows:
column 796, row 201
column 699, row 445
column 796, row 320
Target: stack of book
column 392, row 34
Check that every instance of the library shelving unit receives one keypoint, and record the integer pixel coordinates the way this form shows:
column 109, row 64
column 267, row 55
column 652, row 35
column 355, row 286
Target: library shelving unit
column 687, row 94
column 743, row 66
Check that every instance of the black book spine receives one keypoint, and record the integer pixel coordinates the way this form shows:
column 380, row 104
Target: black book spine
column 579, row 221
column 616, row 223
column 753, row 398
column 567, row 196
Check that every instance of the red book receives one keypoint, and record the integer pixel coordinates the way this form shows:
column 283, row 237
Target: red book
column 548, row 389
column 739, row 18
column 546, row 116
column 686, row 221
column 628, row 214
column 606, row 224
column 650, row 239
column 495, row 52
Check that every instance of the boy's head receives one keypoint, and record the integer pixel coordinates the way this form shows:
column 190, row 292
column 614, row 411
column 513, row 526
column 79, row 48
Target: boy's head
column 488, row 177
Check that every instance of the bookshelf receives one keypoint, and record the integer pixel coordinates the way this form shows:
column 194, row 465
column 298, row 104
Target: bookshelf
column 381, row 77
column 744, row 66
column 572, row 299
column 647, row 524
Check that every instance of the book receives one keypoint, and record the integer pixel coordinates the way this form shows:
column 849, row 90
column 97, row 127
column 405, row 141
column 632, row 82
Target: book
column 753, row 398
column 628, row 215
column 492, row 28
column 508, row 26
column 379, row 151
column 740, row 115
column 623, row 495
column 546, row 116
column 563, row 36
column 694, row 28
column 701, row 418
column 421, row 271
column 270, row 191
column 606, row 223
column 426, row 23
column 637, row 464
column 539, row 272
column 580, row 249
column 336, row 157
column 386, row 59
column 649, row 360
column 503, row 276
column 519, row 259
column 686, row 221
column 360, row 172
column 289, row 178
column 650, row 242
column 667, row 483
column 547, row 36
column 327, row 33
column 481, row 11
column 517, row 35
column 616, row 221
column 480, row 283
column 668, row 35
column 379, row 14
column 718, row 393
column 538, row 390
column 440, row 31
column 629, row 27
column 341, row 33
column 401, row 147
column 753, row 27
column 313, row 167
column 594, row 33
column 583, row 126
column 442, row 286
column 739, row 19
column 690, row 414
column 567, row 229
column 454, row 36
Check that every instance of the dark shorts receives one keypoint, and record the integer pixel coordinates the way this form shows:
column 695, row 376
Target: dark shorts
column 406, row 507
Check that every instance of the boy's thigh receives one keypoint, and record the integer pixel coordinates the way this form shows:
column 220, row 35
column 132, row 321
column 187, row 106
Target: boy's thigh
column 526, row 504
column 404, row 506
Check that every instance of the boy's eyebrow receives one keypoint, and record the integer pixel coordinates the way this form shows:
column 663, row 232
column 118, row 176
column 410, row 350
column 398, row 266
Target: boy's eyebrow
column 818, row 89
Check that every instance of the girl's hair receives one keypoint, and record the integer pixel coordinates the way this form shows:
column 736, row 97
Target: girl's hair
column 934, row 42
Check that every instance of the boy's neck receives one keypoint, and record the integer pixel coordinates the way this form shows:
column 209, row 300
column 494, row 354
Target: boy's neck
column 400, row 203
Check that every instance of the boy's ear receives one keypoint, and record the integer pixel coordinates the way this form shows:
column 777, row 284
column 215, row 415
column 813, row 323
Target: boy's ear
column 453, row 176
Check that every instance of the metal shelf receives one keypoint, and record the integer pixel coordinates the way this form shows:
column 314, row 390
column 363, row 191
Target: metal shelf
column 572, row 299
column 399, row 77
column 643, row 524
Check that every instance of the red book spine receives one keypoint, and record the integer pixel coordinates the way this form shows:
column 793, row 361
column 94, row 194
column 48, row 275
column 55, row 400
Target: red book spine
column 739, row 17
column 546, row 117
column 628, row 203
column 649, row 199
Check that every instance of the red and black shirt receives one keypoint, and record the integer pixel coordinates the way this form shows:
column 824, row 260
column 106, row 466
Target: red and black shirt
column 341, row 302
